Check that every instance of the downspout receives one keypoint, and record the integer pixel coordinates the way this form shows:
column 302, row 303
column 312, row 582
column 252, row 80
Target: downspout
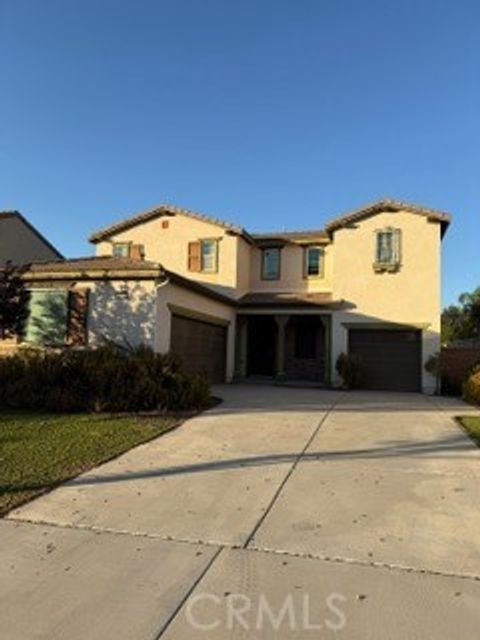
column 157, row 287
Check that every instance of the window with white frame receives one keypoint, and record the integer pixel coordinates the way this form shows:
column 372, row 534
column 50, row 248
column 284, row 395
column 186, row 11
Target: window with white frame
column 314, row 262
column 387, row 248
column 209, row 255
column 271, row 263
column 121, row 250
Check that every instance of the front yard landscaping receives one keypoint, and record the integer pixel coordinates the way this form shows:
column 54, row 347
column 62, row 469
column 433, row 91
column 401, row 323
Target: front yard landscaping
column 471, row 424
column 39, row 451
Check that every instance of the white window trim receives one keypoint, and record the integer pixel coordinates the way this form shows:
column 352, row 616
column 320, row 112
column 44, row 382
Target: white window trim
column 321, row 263
column 263, row 275
column 214, row 269
column 121, row 244
column 395, row 263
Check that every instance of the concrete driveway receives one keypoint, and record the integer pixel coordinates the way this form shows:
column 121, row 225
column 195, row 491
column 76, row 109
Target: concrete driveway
column 282, row 513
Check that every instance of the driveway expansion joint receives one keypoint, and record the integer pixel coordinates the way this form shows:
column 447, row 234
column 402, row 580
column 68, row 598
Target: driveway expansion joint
column 121, row 532
column 295, row 462
column 191, row 589
column 361, row 563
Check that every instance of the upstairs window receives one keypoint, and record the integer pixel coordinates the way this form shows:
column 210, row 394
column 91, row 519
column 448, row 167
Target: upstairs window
column 121, row 250
column 271, row 264
column 203, row 255
column 387, row 249
column 314, row 262
column 209, row 255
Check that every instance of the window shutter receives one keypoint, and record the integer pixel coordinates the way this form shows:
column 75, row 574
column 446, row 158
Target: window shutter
column 378, row 246
column 77, row 317
column 194, row 256
column 397, row 246
column 137, row 252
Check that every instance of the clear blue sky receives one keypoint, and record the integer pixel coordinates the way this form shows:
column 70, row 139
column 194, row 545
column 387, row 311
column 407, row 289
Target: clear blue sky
column 267, row 113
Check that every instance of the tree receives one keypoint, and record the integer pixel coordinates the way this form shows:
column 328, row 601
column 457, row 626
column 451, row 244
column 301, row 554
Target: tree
column 13, row 301
column 463, row 320
column 471, row 306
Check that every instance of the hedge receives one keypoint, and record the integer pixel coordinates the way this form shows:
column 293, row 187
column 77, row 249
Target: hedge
column 107, row 379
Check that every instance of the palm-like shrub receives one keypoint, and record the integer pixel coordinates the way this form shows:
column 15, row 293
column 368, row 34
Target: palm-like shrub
column 349, row 367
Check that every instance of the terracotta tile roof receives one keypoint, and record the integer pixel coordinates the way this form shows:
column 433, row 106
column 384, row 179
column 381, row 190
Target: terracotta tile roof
column 298, row 236
column 95, row 263
column 98, row 267
column 387, row 204
column 315, row 235
column 159, row 211
column 197, row 287
column 289, row 299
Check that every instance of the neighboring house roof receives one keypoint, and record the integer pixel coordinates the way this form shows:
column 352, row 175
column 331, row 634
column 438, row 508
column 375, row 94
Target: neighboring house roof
column 387, row 204
column 289, row 299
column 159, row 211
column 16, row 214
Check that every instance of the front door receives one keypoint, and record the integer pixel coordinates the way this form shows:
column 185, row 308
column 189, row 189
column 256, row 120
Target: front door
column 262, row 333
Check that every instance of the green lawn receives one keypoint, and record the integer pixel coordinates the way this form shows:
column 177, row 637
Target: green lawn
column 471, row 424
column 38, row 451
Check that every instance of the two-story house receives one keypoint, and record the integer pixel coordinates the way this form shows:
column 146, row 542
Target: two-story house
column 281, row 305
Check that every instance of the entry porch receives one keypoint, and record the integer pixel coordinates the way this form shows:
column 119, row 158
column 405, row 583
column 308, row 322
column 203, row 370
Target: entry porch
column 284, row 346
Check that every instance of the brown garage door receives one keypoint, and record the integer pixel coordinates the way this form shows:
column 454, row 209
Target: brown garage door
column 201, row 346
column 391, row 359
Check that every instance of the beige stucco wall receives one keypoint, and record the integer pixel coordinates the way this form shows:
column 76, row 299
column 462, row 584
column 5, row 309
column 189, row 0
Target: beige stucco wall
column 171, row 298
column 244, row 254
column 170, row 248
column 410, row 296
column 122, row 312
column 292, row 260
column 20, row 244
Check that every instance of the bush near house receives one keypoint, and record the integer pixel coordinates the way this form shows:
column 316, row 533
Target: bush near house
column 349, row 367
column 455, row 367
column 471, row 387
column 108, row 379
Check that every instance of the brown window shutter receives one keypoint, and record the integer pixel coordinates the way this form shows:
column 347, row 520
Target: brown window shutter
column 137, row 252
column 77, row 317
column 194, row 256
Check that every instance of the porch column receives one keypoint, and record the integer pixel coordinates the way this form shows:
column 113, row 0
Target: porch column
column 327, row 326
column 242, row 339
column 281, row 321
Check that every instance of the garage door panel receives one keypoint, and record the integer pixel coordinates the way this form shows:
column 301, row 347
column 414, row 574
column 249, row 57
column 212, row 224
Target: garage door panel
column 201, row 346
column 391, row 359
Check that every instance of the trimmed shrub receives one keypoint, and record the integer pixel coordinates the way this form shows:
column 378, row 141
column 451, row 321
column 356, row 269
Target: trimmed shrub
column 471, row 387
column 349, row 367
column 433, row 366
column 109, row 379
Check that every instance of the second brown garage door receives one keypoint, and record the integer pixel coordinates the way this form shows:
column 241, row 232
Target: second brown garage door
column 391, row 359
column 201, row 346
